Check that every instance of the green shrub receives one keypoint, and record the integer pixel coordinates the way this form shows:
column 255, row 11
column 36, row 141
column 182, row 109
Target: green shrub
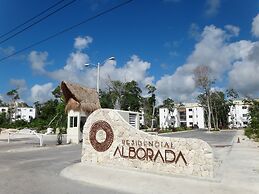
column 249, row 132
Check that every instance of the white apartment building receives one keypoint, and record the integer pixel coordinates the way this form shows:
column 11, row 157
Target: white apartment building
column 168, row 118
column 21, row 113
column 188, row 114
column 238, row 116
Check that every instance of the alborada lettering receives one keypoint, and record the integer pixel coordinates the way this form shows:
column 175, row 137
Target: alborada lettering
column 135, row 149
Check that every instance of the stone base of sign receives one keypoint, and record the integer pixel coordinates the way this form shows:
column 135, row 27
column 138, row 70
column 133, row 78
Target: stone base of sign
column 108, row 140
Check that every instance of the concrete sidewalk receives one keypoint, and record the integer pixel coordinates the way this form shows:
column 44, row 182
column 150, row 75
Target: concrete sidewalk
column 239, row 174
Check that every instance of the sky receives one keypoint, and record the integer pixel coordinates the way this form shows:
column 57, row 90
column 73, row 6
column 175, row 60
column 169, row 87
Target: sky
column 158, row 42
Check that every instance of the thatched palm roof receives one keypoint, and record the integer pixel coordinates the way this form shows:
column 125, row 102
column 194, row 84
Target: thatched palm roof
column 79, row 98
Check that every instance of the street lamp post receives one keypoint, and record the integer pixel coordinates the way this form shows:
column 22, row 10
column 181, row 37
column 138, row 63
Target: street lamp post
column 98, row 71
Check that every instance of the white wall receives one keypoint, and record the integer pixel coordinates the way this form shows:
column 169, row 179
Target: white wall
column 21, row 113
column 238, row 115
column 25, row 113
column 74, row 135
column 168, row 118
column 130, row 117
column 193, row 112
column 195, row 116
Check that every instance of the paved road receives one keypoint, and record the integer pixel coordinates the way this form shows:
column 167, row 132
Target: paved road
column 213, row 138
column 26, row 169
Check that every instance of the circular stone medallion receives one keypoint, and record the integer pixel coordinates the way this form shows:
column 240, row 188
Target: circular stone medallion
column 101, row 136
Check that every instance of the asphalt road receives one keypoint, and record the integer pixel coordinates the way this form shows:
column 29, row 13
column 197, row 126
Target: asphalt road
column 220, row 138
column 26, row 168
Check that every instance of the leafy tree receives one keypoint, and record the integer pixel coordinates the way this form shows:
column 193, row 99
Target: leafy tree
column 149, row 105
column 2, row 103
column 131, row 99
column 204, row 81
column 106, row 99
column 116, row 90
column 169, row 104
column 219, row 108
column 253, row 128
column 3, row 119
column 231, row 95
column 14, row 96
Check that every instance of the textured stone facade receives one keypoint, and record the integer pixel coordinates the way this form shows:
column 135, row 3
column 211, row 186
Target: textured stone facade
column 109, row 140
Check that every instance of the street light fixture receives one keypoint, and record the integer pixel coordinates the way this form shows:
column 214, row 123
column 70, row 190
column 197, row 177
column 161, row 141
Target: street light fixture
column 98, row 71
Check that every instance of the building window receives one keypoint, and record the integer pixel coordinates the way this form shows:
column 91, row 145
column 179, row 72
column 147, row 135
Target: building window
column 73, row 121
column 190, row 116
column 191, row 123
column 18, row 109
column 245, row 123
column 244, row 115
column 190, row 109
column 244, row 107
column 30, row 110
column 3, row 110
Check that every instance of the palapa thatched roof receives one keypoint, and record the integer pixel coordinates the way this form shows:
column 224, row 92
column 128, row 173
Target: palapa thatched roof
column 79, row 98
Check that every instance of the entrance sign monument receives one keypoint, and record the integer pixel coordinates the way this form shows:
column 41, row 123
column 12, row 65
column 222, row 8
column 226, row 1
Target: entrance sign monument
column 110, row 141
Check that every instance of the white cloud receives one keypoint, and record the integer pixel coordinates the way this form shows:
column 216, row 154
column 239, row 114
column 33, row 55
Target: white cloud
column 255, row 26
column 212, row 7
column 214, row 50
column 38, row 60
column 75, row 71
column 76, row 61
column 41, row 93
column 234, row 30
column 7, row 51
column 194, row 31
column 244, row 74
column 19, row 84
column 82, row 42
column 135, row 69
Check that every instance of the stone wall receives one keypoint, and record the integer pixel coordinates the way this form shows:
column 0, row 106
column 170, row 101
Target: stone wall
column 109, row 140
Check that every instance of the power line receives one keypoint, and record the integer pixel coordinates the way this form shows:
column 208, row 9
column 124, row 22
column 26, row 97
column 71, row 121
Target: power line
column 38, row 21
column 27, row 21
column 67, row 29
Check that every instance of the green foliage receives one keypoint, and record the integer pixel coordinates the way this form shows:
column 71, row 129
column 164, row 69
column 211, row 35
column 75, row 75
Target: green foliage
column 128, row 95
column 253, row 129
column 149, row 106
column 219, row 108
column 131, row 99
column 169, row 104
column 106, row 99
column 3, row 119
column 13, row 94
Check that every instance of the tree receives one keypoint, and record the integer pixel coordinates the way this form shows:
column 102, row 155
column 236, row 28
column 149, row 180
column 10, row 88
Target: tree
column 116, row 89
column 169, row 104
column 149, row 105
column 2, row 103
column 203, row 80
column 231, row 95
column 253, row 128
column 126, row 96
column 131, row 100
column 14, row 96
column 106, row 99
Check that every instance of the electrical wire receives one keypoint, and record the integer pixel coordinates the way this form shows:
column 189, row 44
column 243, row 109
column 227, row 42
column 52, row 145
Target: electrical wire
column 38, row 21
column 34, row 17
column 67, row 29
